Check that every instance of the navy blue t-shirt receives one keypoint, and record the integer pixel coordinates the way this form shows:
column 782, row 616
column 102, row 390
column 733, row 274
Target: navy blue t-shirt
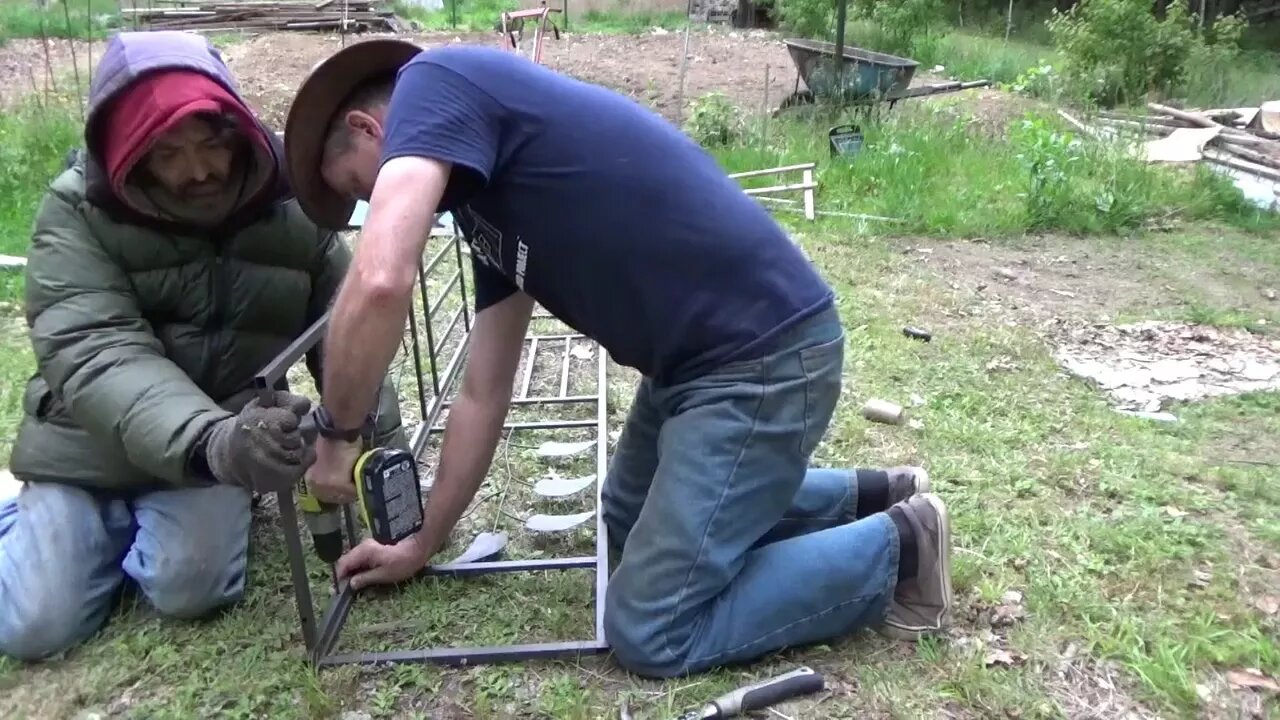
column 609, row 216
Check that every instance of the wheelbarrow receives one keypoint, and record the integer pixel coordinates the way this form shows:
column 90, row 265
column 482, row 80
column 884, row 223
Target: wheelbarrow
column 863, row 77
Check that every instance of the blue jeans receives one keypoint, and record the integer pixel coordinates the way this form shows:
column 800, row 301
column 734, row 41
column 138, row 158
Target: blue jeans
column 730, row 546
column 65, row 553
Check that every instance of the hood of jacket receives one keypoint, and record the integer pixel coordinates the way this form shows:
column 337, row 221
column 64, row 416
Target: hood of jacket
column 130, row 56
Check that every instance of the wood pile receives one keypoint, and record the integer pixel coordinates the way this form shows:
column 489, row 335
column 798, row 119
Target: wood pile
column 1237, row 138
column 265, row 15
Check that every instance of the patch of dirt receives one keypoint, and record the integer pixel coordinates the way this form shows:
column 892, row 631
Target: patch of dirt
column 1051, row 278
column 1046, row 279
column 645, row 67
column 34, row 66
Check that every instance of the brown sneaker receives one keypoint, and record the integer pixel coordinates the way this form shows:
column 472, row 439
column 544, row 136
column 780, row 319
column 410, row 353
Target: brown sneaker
column 923, row 603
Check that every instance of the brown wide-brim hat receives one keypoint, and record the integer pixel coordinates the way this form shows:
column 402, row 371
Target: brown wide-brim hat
column 318, row 99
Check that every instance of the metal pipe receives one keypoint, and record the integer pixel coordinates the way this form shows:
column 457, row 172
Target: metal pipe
column 506, row 566
column 567, row 400
column 536, row 425
column 470, row 655
column 528, row 367
column 462, row 286
column 602, row 468
column 297, row 567
column 440, row 299
column 564, row 368
column 431, row 340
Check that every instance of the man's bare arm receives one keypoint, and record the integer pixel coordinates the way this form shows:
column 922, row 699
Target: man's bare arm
column 476, row 417
column 369, row 314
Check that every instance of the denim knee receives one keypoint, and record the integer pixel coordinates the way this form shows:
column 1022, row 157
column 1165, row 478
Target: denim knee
column 189, row 556
column 640, row 642
column 43, row 628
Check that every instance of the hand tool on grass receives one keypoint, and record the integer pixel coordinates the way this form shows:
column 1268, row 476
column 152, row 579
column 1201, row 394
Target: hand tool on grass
column 759, row 696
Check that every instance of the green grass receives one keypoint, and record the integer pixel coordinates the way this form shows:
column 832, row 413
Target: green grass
column 1141, row 549
column 481, row 15
column 1052, row 494
column 79, row 19
column 938, row 170
column 34, row 142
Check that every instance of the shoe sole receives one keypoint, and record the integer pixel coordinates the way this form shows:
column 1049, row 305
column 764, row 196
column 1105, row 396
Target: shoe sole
column 944, row 563
column 922, row 481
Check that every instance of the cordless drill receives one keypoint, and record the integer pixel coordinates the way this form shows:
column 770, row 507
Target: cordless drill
column 388, row 496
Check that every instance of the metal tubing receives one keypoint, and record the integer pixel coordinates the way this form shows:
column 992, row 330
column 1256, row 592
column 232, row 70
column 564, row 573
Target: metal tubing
column 280, row 364
column 536, row 425
column 334, row 619
column 566, row 400
column 419, row 435
column 462, row 287
column 431, row 339
column 564, row 368
column 297, row 568
column 528, row 367
column 602, row 468
column 443, row 293
column 470, row 655
column 434, row 261
column 417, row 358
column 502, row 566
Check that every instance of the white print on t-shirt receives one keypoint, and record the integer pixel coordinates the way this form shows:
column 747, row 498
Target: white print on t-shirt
column 522, row 259
column 485, row 238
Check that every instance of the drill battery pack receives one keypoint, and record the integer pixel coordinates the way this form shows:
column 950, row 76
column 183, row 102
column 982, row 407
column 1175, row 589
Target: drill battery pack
column 390, row 494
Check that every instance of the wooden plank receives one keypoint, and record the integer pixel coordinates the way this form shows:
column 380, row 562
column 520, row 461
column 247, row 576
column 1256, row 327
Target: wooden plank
column 775, row 171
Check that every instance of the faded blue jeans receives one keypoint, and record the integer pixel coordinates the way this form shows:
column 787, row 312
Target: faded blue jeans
column 65, row 553
column 731, row 546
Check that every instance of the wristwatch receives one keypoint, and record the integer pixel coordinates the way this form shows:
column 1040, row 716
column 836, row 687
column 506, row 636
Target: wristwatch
column 325, row 428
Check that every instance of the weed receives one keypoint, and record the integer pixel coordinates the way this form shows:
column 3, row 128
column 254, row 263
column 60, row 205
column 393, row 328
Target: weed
column 35, row 139
column 80, row 20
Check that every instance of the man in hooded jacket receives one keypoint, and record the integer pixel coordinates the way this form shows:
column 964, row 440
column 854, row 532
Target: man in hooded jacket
column 167, row 266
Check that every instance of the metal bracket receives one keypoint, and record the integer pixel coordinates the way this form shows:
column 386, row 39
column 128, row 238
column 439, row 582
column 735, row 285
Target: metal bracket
column 321, row 640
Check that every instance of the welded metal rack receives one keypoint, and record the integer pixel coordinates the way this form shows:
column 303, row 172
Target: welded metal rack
column 433, row 392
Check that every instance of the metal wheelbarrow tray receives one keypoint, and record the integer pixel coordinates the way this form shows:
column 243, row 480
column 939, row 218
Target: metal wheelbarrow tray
column 866, row 77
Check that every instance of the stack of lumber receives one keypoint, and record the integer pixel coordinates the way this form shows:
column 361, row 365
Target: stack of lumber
column 264, row 15
column 1237, row 138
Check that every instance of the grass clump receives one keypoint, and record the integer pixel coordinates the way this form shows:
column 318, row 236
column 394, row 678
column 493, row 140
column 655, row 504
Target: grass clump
column 485, row 16
column 34, row 141
column 942, row 171
column 81, row 21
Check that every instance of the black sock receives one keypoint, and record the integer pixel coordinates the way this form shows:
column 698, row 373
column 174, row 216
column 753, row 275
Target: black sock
column 873, row 492
column 908, row 556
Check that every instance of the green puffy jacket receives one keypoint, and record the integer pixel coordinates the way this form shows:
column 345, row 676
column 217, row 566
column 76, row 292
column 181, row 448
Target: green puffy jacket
column 143, row 338
column 147, row 331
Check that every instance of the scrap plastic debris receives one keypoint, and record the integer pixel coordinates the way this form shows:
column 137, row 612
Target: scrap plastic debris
column 487, row 546
column 558, row 487
column 553, row 448
column 557, row 523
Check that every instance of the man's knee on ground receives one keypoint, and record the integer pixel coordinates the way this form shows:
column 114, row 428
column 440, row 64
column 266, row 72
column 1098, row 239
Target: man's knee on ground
column 188, row 587
column 640, row 644
column 188, row 577
column 38, row 629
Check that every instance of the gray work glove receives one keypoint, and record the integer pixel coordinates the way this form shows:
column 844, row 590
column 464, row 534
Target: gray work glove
column 261, row 448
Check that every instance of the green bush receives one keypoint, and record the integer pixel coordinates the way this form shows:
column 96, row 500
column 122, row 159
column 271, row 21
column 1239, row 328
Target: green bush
column 1118, row 52
column 714, row 121
column 908, row 27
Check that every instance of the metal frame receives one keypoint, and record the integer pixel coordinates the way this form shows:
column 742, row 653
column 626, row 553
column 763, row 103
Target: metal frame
column 321, row 639
column 513, row 32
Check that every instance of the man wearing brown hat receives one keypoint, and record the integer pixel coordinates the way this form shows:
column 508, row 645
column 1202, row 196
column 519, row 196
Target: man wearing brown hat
column 576, row 198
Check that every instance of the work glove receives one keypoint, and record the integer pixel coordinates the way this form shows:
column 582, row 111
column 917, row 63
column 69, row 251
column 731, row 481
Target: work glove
column 261, row 448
